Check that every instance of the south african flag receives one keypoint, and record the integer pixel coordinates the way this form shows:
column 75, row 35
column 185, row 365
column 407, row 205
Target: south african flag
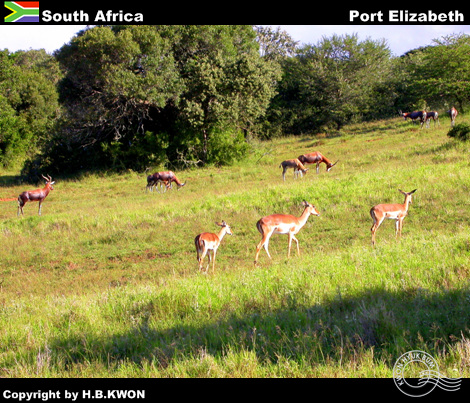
column 22, row 11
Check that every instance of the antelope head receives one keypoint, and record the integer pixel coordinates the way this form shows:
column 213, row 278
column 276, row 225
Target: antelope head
column 49, row 181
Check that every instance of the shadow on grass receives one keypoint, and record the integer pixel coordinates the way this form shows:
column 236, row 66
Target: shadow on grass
column 390, row 323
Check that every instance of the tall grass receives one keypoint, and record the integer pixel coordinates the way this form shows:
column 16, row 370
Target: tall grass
column 105, row 282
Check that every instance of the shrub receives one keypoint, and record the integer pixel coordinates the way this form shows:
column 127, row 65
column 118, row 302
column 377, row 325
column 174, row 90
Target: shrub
column 460, row 132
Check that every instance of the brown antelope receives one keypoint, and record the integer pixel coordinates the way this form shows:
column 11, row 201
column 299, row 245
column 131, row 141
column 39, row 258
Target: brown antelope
column 208, row 241
column 154, row 180
column 421, row 115
column 316, row 158
column 35, row 195
column 396, row 212
column 282, row 224
column 166, row 177
column 294, row 163
column 434, row 116
column 452, row 112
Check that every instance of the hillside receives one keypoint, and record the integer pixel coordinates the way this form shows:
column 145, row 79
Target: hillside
column 106, row 284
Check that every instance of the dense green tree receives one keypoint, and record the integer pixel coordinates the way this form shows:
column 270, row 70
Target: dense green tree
column 337, row 81
column 442, row 72
column 141, row 95
column 28, row 103
column 227, row 87
column 113, row 80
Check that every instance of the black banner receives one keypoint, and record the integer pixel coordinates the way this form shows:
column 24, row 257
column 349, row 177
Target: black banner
column 46, row 12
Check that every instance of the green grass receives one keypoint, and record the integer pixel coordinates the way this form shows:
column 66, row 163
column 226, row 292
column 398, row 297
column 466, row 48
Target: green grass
column 106, row 284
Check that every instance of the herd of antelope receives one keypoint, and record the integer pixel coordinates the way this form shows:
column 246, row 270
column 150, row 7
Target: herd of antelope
column 288, row 224
column 425, row 117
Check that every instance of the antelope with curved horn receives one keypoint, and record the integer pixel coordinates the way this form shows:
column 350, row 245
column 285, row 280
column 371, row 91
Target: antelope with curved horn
column 396, row 212
column 316, row 158
column 35, row 195
column 294, row 163
column 208, row 241
column 282, row 224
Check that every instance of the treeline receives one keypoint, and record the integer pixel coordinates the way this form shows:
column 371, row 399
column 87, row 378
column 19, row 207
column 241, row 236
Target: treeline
column 130, row 97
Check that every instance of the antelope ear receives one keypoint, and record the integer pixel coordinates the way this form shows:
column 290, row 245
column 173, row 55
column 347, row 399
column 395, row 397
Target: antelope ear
column 52, row 182
column 413, row 191
column 220, row 224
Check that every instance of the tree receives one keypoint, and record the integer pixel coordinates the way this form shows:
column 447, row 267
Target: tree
column 28, row 103
column 443, row 76
column 227, row 87
column 275, row 44
column 337, row 81
column 114, row 79
column 141, row 95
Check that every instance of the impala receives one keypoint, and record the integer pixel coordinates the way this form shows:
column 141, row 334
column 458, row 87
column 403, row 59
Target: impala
column 282, row 224
column 35, row 195
column 294, row 163
column 208, row 241
column 396, row 212
column 452, row 112
column 316, row 158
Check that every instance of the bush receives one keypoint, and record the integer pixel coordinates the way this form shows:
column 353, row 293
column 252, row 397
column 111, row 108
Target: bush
column 460, row 132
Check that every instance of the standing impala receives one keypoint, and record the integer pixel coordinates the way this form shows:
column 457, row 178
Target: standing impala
column 316, row 158
column 395, row 212
column 294, row 163
column 208, row 241
column 35, row 195
column 282, row 224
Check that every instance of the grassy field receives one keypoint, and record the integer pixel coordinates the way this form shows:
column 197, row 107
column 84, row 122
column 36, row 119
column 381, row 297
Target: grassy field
column 106, row 283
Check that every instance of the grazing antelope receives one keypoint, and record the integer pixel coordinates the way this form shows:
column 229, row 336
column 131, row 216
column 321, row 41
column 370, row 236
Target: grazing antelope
column 395, row 212
column 452, row 112
column 208, row 241
column 154, row 180
column 166, row 177
column 35, row 195
column 169, row 177
column 316, row 158
column 434, row 116
column 421, row 115
column 294, row 163
column 282, row 224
